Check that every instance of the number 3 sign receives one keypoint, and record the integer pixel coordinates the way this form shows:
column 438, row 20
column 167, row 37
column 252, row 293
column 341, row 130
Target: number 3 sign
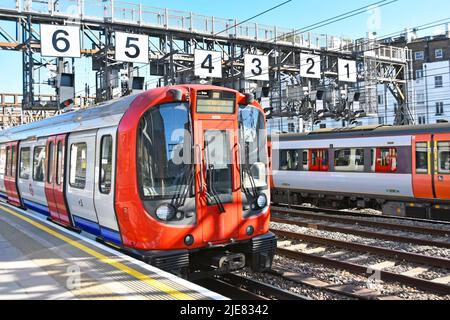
column 256, row 67
column 60, row 41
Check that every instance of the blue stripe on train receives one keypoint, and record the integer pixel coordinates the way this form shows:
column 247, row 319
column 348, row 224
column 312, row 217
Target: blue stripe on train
column 95, row 229
column 36, row 207
column 3, row 195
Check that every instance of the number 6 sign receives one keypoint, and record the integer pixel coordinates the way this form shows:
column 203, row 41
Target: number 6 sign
column 60, row 41
column 132, row 47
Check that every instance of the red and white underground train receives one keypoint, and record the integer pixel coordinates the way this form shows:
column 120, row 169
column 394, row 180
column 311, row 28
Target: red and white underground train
column 177, row 176
column 402, row 170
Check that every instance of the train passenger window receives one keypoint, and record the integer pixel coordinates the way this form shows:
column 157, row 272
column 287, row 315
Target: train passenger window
column 422, row 158
column 50, row 162
column 386, row 160
column 8, row 154
column 342, row 160
column 13, row 161
column 305, row 160
column 2, row 161
column 39, row 164
column 289, row 160
column 444, row 157
column 359, row 159
column 25, row 163
column 78, row 165
column 59, row 157
column 106, row 164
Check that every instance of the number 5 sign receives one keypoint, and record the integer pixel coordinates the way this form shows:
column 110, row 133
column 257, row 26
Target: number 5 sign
column 208, row 64
column 132, row 47
column 60, row 41
column 310, row 66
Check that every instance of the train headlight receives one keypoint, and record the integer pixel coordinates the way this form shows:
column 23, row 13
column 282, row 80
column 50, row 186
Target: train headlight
column 262, row 201
column 166, row 212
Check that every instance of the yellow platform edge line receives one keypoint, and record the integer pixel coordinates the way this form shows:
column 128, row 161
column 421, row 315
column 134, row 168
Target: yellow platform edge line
column 114, row 263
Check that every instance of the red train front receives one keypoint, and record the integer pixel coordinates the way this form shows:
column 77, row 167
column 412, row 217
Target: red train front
column 177, row 176
column 192, row 179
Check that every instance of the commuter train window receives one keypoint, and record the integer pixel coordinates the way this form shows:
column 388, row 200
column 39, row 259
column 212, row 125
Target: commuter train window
column 8, row 153
column 13, row 161
column 444, row 157
column 106, row 164
column 289, row 160
column 386, row 161
column 39, row 164
column 51, row 154
column 342, row 159
column 25, row 163
column 305, row 160
column 349, row 160
column 78, row 165
column 422, row 164
column 2, row 161
column 59, row 156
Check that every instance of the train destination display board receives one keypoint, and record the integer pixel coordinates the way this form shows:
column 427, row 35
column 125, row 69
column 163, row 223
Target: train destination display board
column 215, row 102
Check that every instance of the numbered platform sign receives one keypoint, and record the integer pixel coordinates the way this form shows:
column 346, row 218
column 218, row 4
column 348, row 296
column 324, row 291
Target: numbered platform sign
column 256, row 67
column 132, row 47
column 347, row 70
column 60, row 41
column 310, row 66
column 208, row 64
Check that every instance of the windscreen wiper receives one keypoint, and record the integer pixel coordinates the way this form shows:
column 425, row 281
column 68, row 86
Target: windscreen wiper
column 179, row 199
column 214, row 195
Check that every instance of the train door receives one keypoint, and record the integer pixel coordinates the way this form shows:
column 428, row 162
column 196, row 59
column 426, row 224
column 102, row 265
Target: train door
column 105, row 178
column 422, row 166
column 441, row 174
column 218, row 198
column 81, row 179
column 11, row 173
column 3, row 193
column 54, row 180
column 318, row 160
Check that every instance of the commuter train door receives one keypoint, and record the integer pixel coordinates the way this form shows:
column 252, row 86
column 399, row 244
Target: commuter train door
column 55, row 178
column 11, row 173
column 442, row 166
column 318, row 160
column 218, row 196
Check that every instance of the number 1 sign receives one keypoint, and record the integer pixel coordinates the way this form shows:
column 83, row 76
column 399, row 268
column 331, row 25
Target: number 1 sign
column 60, row 41
column 347, row 70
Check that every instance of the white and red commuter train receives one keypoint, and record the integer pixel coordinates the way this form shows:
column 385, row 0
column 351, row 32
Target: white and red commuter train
column 177, row 176
column 404, row 171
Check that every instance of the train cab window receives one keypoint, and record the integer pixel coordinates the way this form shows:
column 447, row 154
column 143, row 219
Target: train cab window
column 444, row 157
column 289, row 160
column 78, row 165
column 386, row 160
column 106, row 164
column 39, row 164
column 422, row 165
column 25, row 164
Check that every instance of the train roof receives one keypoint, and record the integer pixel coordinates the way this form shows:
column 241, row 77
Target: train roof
column 367, row 131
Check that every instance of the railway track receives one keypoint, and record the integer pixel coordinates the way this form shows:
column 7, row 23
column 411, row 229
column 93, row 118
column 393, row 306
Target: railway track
column 238, row 287
column 353, row 227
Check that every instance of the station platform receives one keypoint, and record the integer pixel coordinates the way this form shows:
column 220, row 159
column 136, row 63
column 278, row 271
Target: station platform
column 42, row 261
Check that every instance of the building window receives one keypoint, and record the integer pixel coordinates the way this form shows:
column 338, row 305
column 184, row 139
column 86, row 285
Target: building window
column 439, row 108
column 438, row 82
column 439, row 54
column 39, row 164
column 25, row 163
column 422, row 120
column 78, row 165
column 291, row 127
column 419, row 74
column 419, row 55
column 420, row 97
column 380, row 99
column 381, row 120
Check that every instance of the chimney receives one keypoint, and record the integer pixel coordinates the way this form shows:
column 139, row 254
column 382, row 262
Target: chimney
column 410, row 35
column 447, row 30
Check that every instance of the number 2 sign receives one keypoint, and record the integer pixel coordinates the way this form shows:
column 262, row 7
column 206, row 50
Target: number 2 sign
column 60, row 41
column 310, row 66
column 132, row 47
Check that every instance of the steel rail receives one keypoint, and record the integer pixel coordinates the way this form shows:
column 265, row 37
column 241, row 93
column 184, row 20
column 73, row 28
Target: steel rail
column 363, row 270
column 402, row 255
column 362, row 222
column 363, row 233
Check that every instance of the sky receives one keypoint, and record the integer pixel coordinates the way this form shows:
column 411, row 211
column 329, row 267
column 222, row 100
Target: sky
column 392, row 18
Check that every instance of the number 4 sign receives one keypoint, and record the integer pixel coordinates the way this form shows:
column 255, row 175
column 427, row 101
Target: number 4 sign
column 60, row 41
column 347, row 70
column 132, row 47
column 208, row 64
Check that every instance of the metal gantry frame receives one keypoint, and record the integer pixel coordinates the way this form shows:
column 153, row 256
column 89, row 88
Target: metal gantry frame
column 174, row 35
